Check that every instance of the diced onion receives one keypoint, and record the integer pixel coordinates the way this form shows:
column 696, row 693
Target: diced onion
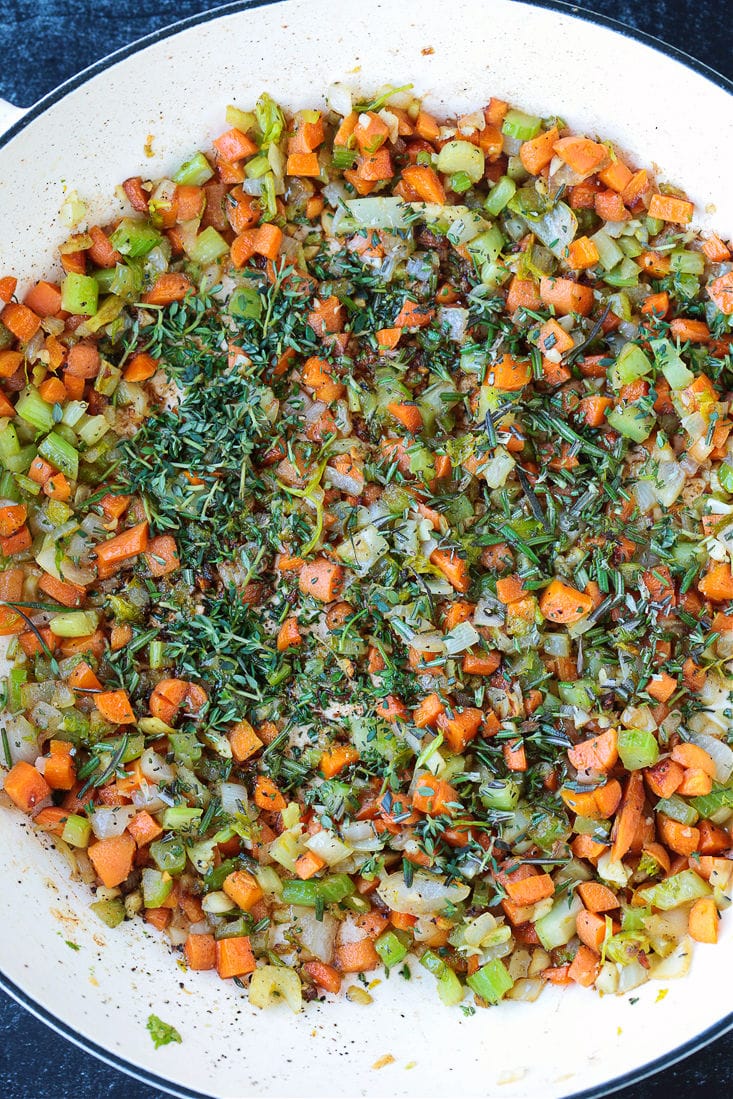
column 426, row 895
column 339, row 99
column 234, row 799
column 461, row 637
column 646, row 497
column 111, row 820
column 22, row 739
column 719, row 752
column 155, row 768
column 271, row 984
column 328, row 847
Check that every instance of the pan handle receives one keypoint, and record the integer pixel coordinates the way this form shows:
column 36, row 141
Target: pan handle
column 9, row 115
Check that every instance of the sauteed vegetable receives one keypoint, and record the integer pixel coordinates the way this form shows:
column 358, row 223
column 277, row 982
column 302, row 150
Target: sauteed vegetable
column 365, row 512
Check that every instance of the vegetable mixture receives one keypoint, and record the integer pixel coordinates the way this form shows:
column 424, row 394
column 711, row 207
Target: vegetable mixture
column 366, row 518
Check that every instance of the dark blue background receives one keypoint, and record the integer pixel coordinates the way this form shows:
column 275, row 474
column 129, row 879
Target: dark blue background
column 42, row 42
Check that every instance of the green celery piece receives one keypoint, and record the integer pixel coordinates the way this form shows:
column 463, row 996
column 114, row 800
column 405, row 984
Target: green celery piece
column 80, row 294
column 194, row 172
column 77, row 830
column 391, row 949
column 503, row 190
column 169, row 854
column 111, row 913
column 135, row 237
column 521, row 126
column 631, row 422
column 61, row 454
column 32, row 408
column 720, row 797
column 679, row 889
column 157, row 886
column 491, row 982
column 638, row 748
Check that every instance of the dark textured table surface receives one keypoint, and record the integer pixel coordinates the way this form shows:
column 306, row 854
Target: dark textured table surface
column 42, row 42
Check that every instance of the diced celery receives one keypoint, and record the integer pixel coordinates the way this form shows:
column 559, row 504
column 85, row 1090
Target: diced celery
column 491, row 982
column 462, row 156
column 111, row 913
column 107, row 379
column 679, row 889
column 59, row 512
column 32, row 488
column 725, row 476
column 630, row 247
column 169, row 854
column 625, row 274
column 194, row 172
column 107, row 312
column 135, row 237
column 686, row 262
column 486, row 247
column 243, row 120
column 270, row 119
column 631, row 423
column 157, row 886
column 73, row 412
column 127, row 282
column 92, row 429
column 720, row 797
column 245, row 302
column 654, row 225
column 557, row 927
column 268, row 196
column 500, row 793
column 104, row 278
column 450, row 989
column 8, row 485
column 134, row 747
column 16, row 679
column 208, row 247
column 638, row 748
column 156, row 654
column 502, row 191
column 257, row 167
column 433, row 963
column 300, row 892
column 79, row 294
column 391, row 949
column 520, row 126
column 74, row 623
column 9, row 442
column 180, row 818
column 336, row 888
column 671, row 365
column 460, row 182
column 608, row 251
column 678, row 809
column 32, row 408
column 581, row 693
column 631, row 363
column 61, row 454
column 77, row 830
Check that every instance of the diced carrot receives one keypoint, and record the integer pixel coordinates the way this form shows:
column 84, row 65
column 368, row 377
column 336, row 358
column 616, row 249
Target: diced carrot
column 63, row 591
column 336, row 758
column 563, row 604
column 21, row 321
column 617, row 176
column 599, row 753
column 656, row 305
column 140, row 367
column 425, row 182
column 717, row 584
column 243, row 888
column 664, row 777
column 581, row 154
column 610, row 206
column 167, row 288
column 388, row 338
column 669, row 208
column 144, row 829
column 683, row 839
column 413, row 315
column 308, row 865
column 453, row 567
column 267, row 795
column 582, row 254
column 695, row 783
column 661, row 686
column 593, row 410
column 112, row 858
column 83, row 678
column 703, row 920
column 435, row 796
column 522, row 294
column 234, row 957
column 597, row 897
column 391, row 708
column 59, row 771
column 10, row 362
column 113, row 553
column 460, row 610
column 714, row 840
column 509, row 589
column 591, row 929
column 428, row 712
column 234, row 145
column 25, row 787
column 324, row 975
column 460, row 729
column 510, row 373
column 102, row 253
column 480, row 663
column 566, row 296
column 684, row 328
column 537, row 153
column 515, row 755
column 584, row 967
column 244, row 741
column 169, row 695
column 12, row 518
column 8, row 286
column 426, row 127
column 692, row 755
column 200, row 951
column 268, row 241
column 357, row 957
column 44, row 299
column 161, row 555
column 115, row 707
column 52, row 819
column 120, row 635
column 608, row 797
column 16, row 543
column 629, row 816
column 529, row 889
column 318, row 374
column 321, row 579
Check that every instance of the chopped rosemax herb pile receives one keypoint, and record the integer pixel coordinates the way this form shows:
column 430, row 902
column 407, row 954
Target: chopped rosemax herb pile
column 366, row 526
